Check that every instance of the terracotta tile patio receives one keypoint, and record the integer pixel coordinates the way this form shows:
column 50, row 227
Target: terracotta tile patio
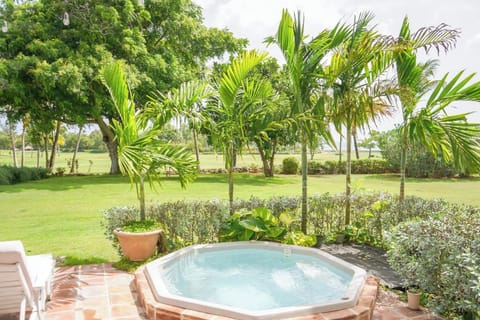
column 100, row 292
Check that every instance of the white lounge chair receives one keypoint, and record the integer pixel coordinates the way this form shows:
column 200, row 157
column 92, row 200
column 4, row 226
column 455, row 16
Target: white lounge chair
column 25, row 281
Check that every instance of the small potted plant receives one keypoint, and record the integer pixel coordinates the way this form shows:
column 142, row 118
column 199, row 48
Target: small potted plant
column 254, row 168
column 414, row 295
column 60, row 171
column 142, row 157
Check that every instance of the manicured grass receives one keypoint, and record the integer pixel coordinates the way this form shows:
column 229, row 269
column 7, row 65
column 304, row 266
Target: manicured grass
column 62, row 214
column 94, row 163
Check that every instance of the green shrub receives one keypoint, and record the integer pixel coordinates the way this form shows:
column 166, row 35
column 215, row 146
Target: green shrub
column 362, row 166
column 256, row 224
column 6, row 175
column 190, row 222
column 261, row 224
column 12, row 175
column 420, row 162
column 373, row 214
column 290, row 165
column 441, row 255
column 141, row 226
column 115, row 218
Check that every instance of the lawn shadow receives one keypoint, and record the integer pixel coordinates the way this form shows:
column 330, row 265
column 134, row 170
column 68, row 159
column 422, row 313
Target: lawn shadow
column 78, row 182
column 393, row 177
column 65, row 183
column 241, row 179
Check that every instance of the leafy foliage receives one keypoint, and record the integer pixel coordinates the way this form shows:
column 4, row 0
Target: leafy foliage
column 141, row 226
column 373, row 214
column 420, row 162
column 12, row 175
column 261, row 224
column 362, row 166
column 441, row 256
column 290, row 165
column 141, row 154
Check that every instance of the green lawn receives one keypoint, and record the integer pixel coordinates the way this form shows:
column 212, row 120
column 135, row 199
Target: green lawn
column 93, row 163
column 62, row 214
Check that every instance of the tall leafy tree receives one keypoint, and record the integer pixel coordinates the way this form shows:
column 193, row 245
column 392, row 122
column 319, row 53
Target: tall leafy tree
column 162, row 44
column 231, row 108
column 303, row 63
column 424, row 103
column 189, row 99
column 142, row 156
column 353, row 74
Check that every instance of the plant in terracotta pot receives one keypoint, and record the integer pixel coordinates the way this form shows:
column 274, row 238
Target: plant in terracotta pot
column 414, row 294
column 143, row 158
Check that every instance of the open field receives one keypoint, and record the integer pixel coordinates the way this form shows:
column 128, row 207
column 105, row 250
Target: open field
column 62, row 214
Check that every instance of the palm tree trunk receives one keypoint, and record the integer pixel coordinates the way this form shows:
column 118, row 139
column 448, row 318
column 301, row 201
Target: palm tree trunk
column 197, row 152
column 77, row 145
column 355, row 144
column 304, row 183
column 231, row 151
column 340, row 149
column 348, row 175
column 403, row 166
column 141, row 196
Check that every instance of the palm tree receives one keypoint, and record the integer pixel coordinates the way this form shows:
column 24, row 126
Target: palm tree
column 448, row 136
column 236, row 95
column 188, row 100
column 353, row 74
column 141, row 155
column 303, row 61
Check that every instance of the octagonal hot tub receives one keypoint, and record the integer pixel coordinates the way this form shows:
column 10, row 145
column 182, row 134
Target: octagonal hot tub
column 254, row 280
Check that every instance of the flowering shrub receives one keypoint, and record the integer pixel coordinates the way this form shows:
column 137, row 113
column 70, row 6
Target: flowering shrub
column 441, row 255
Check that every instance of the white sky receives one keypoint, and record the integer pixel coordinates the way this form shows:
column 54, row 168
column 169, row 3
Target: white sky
column 257, row 19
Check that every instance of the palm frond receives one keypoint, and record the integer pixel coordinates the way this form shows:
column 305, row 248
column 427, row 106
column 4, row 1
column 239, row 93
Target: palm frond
column 456, row 89
column 231, row 80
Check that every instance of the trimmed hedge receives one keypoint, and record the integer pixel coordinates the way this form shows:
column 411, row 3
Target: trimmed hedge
column 362, row 166
column 11, row 175
column 438, row 241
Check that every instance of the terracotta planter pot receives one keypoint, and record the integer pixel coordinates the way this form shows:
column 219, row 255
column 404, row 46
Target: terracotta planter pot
column 138, row 246
column 413, row 299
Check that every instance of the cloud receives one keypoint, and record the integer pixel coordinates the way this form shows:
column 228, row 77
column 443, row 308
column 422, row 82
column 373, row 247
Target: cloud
column 257, row 19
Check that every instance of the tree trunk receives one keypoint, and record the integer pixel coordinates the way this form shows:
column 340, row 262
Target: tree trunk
column 77, row 145
column 355, row 144
column 53, row 154
column 11, row 130
column 112, row 145
column 38, row 156
column 141, row 196
column 45, row 140
column 403, row 166
column 230, row 167
column 23, row 144
column 348, row 175
column 340, row 149
column 197, row 152
column 304, row 183
column 267, row 162
column 272, row 158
